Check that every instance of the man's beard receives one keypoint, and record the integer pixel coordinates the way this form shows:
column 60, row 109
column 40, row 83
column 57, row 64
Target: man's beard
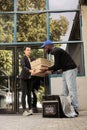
column 48, row 51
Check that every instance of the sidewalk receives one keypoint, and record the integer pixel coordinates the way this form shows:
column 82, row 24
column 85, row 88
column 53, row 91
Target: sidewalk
column 37, row 122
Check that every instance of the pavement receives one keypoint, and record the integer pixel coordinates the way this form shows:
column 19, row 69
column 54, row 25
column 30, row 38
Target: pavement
column 38, row 122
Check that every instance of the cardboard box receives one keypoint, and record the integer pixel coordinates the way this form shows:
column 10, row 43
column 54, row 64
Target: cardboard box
column 51, row 109
column 38, row 64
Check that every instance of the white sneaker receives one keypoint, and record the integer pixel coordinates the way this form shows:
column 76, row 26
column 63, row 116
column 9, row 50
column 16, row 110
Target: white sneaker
column 25, row 113
column 30, row 112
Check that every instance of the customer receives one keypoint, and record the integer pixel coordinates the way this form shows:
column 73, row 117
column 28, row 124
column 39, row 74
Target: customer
column 63, row 61
column 26, row 81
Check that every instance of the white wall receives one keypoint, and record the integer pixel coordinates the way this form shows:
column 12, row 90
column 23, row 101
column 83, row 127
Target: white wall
column 56, row 88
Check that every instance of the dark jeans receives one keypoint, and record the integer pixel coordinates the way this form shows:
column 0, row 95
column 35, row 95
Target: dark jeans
column 35, row 86
column 26, row 88
column 34, row 102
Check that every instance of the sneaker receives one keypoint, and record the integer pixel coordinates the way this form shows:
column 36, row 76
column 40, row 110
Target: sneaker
column 30, row 112
column 25, row 113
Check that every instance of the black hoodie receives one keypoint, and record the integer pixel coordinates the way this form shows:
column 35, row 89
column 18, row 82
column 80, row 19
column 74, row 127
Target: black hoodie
column 62, row 60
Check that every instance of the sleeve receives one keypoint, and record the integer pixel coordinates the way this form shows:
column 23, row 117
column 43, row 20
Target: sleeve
column 56, row 65
column 24, row 67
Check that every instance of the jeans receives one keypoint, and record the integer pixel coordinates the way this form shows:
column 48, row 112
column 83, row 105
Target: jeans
column 34, row 102
column 69, row 86
column 26, row 91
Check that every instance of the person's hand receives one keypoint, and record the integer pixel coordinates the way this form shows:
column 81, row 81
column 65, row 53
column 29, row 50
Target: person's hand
column 43, row 69
column 47, row 72
column 32, row 71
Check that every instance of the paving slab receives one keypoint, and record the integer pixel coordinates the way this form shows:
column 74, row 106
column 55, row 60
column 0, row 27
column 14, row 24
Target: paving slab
column 37, row 122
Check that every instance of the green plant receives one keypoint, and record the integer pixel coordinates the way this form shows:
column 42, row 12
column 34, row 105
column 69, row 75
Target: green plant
column 40, row 93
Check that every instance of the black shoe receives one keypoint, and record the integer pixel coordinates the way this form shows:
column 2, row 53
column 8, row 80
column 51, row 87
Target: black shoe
column 76, row 111
column 35, row 110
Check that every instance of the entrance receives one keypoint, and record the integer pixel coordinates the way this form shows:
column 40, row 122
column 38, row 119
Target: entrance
column 9, row 79
column 10, row 89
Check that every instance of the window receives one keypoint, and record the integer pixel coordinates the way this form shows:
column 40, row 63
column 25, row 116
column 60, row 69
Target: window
column 32, row 22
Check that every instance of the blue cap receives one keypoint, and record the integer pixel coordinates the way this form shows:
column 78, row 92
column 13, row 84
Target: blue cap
column 48, row 42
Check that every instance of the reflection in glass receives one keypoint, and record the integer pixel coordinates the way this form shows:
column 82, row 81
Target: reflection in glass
column 58, row 28
column 32, row 29
column 63, row 4
column 6, row 97
column 29, row 5
column 6, row 5
column 63, row 25
column 6, row 28
column 6, row 87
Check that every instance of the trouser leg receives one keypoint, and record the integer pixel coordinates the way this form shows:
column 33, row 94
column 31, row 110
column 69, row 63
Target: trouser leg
column 72, row 86
column 24, row 91
column 65, row 91
column 34, row 99
column 29, row 87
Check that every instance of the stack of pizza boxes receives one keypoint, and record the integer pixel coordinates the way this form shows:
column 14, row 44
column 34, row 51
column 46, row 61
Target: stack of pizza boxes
column 40, row 64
